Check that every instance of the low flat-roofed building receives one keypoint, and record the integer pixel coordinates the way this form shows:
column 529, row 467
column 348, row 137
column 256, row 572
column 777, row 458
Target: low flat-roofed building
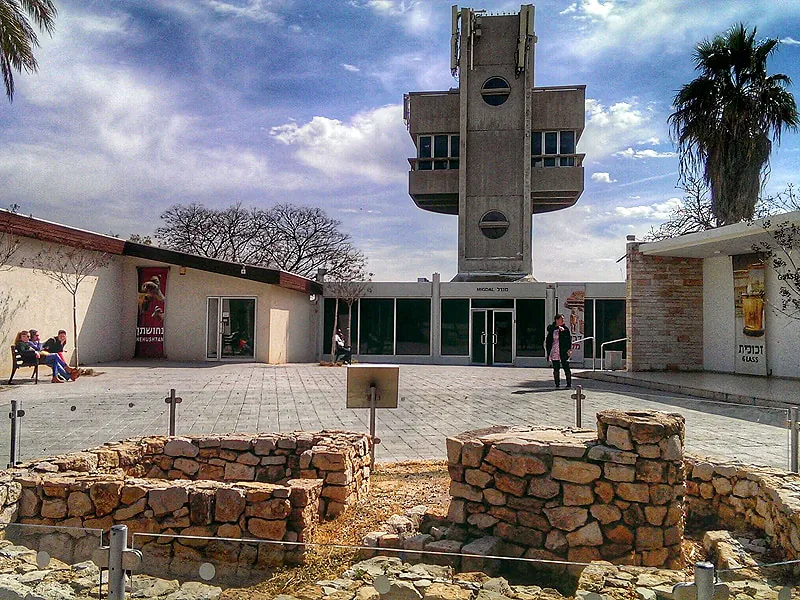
column 152, row 302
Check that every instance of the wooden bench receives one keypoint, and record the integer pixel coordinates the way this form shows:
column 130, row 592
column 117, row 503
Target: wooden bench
column 18, row 361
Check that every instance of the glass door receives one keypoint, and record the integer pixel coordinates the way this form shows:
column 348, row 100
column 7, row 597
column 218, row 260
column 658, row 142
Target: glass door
column 479, row 346
column 503, row 337
column 231, row 325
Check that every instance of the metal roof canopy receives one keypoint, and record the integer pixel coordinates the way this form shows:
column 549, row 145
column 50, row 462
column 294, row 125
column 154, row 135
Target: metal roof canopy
column 729, row 240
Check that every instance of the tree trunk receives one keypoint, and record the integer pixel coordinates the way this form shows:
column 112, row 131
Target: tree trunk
column 75, row 327
column 350, row 325
column 333, row 331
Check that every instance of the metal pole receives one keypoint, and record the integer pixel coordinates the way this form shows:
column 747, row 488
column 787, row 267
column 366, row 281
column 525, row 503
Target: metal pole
column 794, row 422
column 118, row 544
column 13, row 457
column 373, row 399
column 704, row 580
column 578, row 405
column 172, row 412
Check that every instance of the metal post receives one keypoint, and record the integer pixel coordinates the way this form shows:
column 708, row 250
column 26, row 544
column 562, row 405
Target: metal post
column 704, row 580
column 794, row 422
column 118, row 544
column 373, row 400
column 14, row 415
column 173, row 402
column 578, row 405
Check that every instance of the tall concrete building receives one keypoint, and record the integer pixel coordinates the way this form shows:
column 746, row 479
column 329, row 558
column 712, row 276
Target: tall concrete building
column 495, row 150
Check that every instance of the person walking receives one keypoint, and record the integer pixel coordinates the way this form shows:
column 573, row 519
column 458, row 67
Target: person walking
column 558, row 345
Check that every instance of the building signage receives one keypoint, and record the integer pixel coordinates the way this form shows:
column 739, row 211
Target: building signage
column 571, row 305
column 748, row 292
column 491, row 289
column 152, row 299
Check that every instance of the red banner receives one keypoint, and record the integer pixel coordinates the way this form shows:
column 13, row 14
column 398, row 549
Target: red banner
column 152, row 310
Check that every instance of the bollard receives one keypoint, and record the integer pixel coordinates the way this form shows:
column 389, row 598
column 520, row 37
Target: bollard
column 794, row 417
column 173, row 402
column 117, row 544
column 579, row 397
column 15, row 415
column 704, row 580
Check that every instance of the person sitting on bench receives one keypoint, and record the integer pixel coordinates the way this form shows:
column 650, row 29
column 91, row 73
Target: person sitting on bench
column 341, row 350
column 61, row 371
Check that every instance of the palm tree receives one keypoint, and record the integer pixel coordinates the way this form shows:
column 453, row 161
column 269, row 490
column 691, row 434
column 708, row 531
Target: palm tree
column 18, row 38
column 727, row 118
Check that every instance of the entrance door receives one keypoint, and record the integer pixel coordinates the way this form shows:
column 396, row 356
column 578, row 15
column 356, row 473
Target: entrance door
column 492, row 337
column 231, row 327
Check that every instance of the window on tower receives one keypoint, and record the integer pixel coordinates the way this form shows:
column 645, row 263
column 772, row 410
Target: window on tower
column 437, row 152
column 553, row 149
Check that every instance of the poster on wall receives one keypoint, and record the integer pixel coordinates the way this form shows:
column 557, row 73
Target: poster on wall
column 152, row 298
column 571, row 305
column 748, row 292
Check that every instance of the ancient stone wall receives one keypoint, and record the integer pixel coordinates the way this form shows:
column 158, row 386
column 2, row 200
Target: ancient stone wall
column 570, row 494
column 264, row 487
column 664, row 312
column 341, row 459
column 737, row 496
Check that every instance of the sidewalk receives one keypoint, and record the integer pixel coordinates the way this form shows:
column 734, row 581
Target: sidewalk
column 725, row 387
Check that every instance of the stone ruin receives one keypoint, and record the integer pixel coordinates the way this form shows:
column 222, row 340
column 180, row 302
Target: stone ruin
column 261, row 487
column 614, row 494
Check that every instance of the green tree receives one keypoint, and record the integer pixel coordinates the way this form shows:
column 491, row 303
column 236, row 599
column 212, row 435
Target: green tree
column 726, row 119
column 18, row 37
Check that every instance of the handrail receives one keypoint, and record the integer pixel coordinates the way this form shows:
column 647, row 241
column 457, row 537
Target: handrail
column 602, row 354
column 583, row 339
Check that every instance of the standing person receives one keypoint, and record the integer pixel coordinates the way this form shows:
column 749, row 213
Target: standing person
column 55, row 345
column 558, row 344
column 61, row 372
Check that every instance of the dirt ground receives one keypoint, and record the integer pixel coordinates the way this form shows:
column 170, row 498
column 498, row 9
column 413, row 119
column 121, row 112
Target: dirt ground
column 394, row 488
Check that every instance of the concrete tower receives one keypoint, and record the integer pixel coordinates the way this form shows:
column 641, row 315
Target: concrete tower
column 495, row 150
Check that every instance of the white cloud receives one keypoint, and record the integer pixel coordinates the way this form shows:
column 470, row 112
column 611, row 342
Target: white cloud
column 351, row 68
column 260, row 11
column 602, row 178
column 373, row 145
column 647, row 153
column 790, row 41
column 659, row 211
column 615, row 127
column 653, row 141
column 416, row 17
column 645, row 27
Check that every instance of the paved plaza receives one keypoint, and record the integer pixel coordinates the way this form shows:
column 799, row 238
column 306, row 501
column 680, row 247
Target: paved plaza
column 127, row 400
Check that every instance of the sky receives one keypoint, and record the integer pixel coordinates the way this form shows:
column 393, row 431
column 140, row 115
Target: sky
column 139, row 105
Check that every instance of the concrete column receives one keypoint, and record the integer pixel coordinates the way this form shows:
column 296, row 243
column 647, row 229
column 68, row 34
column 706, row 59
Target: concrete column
column 436, row 317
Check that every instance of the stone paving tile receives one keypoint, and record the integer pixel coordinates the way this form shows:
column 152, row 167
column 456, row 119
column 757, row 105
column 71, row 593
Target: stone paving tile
column 435, row 401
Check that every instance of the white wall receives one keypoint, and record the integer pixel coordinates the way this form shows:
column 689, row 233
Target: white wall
column 719, row 322
column 185, row 320
column 32, row 300
column 782, row 333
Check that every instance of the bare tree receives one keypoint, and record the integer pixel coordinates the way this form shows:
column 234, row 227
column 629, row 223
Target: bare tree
column 298, row 239
column 349, row 287
column 69, row 267
column 9, row 245
column 695, row 212
column 782, row 251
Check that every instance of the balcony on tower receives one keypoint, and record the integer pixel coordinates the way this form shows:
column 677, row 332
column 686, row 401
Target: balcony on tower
column 557, row 122
column 433, row 123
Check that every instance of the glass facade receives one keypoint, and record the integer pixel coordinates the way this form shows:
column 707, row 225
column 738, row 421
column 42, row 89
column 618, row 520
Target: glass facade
column 605, row 320
column 455, row 327
column 413, row 326
column 530, row 327
column 377, row 326
column 350, row 332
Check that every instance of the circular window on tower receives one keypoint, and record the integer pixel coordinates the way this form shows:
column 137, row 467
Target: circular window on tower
column 495, row 91
column 493, row 224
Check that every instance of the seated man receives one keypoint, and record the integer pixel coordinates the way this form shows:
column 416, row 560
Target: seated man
column 341, row 350
column 61, row 372
column 55, row 345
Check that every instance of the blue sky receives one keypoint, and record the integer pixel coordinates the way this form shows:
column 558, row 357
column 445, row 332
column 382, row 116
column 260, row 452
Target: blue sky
column 141, row 104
